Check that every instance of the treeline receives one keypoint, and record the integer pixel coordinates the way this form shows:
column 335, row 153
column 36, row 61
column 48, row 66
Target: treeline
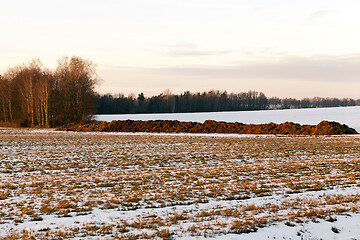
column 185, row 102
column 315, row 102
column 31, row 95
column 211, row 101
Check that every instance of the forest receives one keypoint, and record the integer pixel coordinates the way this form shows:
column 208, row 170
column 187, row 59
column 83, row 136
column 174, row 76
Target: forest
column 211, row 101
column 31, row 95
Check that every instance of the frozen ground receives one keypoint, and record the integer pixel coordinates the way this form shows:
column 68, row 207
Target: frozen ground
column 56, row 185
column 346, row 227
column 345, row 115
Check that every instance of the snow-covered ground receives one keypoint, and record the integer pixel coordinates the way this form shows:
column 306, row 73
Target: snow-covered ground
column 346, row 227
column 344, row 115
column 56, row 185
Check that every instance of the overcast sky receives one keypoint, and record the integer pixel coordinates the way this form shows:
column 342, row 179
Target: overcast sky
column 284, row 48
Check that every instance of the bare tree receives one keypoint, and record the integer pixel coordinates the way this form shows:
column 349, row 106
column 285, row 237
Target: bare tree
column 31, row 95
column 75, row 80
column 5, row 99
column 26, row 78
column 44, row 88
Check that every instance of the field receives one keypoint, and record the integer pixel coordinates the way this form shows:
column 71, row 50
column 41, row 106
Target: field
column 312, row 116
column 129, row 186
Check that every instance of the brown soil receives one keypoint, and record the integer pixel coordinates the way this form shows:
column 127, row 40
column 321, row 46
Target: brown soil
column 209, row 126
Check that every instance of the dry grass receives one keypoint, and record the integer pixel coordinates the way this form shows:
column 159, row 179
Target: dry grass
column 180, row 185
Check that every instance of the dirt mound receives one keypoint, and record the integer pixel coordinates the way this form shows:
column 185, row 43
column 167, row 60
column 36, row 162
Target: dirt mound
column 210, row 126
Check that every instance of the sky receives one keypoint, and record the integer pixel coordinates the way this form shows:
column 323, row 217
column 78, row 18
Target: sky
column 283, row 48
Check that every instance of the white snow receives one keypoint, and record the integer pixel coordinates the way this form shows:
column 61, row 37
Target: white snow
column 80, row 167
column 344, row 115
column 348, row 227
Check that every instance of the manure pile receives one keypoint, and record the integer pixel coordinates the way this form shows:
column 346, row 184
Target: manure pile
column 210, row 126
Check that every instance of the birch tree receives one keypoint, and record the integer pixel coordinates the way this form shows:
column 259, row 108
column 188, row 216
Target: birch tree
column 75, row 81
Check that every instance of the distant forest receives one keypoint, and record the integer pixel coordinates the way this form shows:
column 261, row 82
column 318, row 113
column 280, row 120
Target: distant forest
column 211, row 101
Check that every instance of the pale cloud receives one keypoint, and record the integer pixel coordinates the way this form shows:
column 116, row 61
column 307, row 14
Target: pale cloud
column 314, row 17
column 192, row 45
column 197, row 53
column 291, row 76
column 182, row 45
column 318, row 68
column 187, row 49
